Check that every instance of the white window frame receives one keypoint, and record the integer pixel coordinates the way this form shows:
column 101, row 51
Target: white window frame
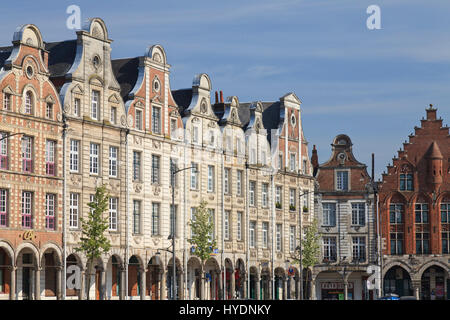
column 95, row 102
column 74, row 155
column 74, row 214
column 113, row 213
column 211, row 183
column 94, row 161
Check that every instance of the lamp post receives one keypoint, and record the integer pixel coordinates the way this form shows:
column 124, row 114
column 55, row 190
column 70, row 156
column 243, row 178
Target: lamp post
column 11, row 135
column 174, row 171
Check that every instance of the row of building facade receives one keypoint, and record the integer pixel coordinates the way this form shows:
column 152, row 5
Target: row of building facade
column 73, row 119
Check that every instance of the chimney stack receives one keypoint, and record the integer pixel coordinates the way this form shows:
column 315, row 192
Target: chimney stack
column 314, row 160
column 221, row 96
column 217, row 98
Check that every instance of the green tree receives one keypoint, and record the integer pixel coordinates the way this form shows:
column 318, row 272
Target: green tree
column 309, row 252
column 93, row 242
column 202, row 229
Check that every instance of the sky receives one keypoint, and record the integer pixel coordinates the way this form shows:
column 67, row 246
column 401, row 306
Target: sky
column 372, row 85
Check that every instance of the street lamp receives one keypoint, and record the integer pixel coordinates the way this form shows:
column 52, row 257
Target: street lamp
column 8, row 136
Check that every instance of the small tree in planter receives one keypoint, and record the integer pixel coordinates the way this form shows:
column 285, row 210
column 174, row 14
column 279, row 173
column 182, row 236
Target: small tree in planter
column 278, row 205
column 305, row 209
column 203, row 245
column 93, row 242
column 291, row 207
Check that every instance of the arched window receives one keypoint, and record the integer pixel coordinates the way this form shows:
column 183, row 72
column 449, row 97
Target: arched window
column 29, row 102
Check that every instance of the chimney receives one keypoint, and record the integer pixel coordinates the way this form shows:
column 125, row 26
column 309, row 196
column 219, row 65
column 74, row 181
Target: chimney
column 217, row 98
column 221, row 96
column 314, row 160
column 373, row 166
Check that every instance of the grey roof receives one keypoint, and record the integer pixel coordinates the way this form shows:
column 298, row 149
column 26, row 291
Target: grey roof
column 61, row 56
column 5, row 52
column 183, row 98
column 126, row 72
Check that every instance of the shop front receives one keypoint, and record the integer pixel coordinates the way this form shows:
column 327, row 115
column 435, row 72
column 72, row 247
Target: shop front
column 335, row 290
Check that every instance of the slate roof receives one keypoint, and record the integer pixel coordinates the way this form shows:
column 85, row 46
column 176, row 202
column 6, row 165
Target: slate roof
column 5, row 52
column 61, row 56
column 182, row 98
column 126, row 72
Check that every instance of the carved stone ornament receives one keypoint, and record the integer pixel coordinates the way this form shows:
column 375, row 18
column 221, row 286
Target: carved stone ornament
column 156, row 144
column 130, row 120
column 123, row 120
column 59, row 116
column 67, row 108
column 155, row 241
column 156, row 190
column 138, row 187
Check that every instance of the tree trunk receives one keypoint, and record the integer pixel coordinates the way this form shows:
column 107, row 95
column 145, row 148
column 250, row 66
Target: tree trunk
column 88, row 280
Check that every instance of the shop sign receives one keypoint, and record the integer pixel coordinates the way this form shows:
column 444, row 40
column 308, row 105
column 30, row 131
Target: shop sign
column 335, row 285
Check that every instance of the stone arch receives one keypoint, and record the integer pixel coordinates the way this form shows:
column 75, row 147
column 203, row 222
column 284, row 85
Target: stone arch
column 32, row 247
column 429, row 264
column 8, row 248
column 397, row 263
column 96, row 28
column 51, row 246
column 157, row 53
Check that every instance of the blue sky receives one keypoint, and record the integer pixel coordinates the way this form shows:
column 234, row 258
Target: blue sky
column 372, row 85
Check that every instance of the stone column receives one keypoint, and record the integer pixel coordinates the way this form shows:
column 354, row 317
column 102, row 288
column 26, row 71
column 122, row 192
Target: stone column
column 123, row 290
column 313, row 289
column 298, row 284
column 257, row 289
column 285, row 288
column 181, row 287
column 37, row 283
column 143, row 283
column 232, row 284
column 221, row 286
column 58, row 282
column 345, row 289
column 12, row 288
column 102, row 284
column 416, row 288
column 163, row 286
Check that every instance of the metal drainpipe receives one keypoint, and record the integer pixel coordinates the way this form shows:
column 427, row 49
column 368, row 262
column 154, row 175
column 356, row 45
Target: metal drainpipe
column 379, row 253
column 273, row 221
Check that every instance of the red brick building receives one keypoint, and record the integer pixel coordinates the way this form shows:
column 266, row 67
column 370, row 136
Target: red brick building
column 414, row 211
column 30, row 171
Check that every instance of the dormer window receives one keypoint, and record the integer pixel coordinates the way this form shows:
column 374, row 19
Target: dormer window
column 6, row 101
column 49, row 111
column 95, row 104
column 293, row 120
column 138, row 120
column 156, row 120
column 342, row 180
column 194, row 134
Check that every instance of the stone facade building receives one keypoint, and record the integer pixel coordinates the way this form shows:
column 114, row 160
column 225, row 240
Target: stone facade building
column 31, row 169
column 345, row 211
column 414, row 206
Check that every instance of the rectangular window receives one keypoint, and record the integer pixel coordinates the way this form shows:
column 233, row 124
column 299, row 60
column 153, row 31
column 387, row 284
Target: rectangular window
column 252, row 190
column 194, row 134
column 173, row 168
column 239, row 182
column 292, row 162
column 49, row 111
column 113, row 214
column 396, row 243
column 265, row 232
column 156, row 120
column 50, row 210
column 422, row 243
column 50, row 158
column 358, row 214
column 4, row 151
column 227, row 225
column 278, row 197
column 113, row 115
column 359, row 249
column 264, row 195
column 406, row 182
column 396, row 213
column 113, row 153
column 210, row 178
column 239, row 226
column 27, row 154
column 194, row 176
column 73, row 210
column 136, row 166
column 279, row 236
column 76, row 107
column 27, row 209
column 173, row 127
column 342, row 180
column 155, row 168
column 329, row 214
column 193, row 218
column 73, row 157
column 212, row 220
column 155, row 219
column 421, row 213
column 136, row 216
column 6, row 101
column 252, row 156
column 93, row 158
column 305, row 198
column 252, row 231
column 138, row 120
column 292, row 199
column 445, row 242
column 280, row 162
column 292, row 240
column 173, row 219
column 329, row 249
column 95, row 104
column 3, row 208
column 445, row 212
column 227, row 180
